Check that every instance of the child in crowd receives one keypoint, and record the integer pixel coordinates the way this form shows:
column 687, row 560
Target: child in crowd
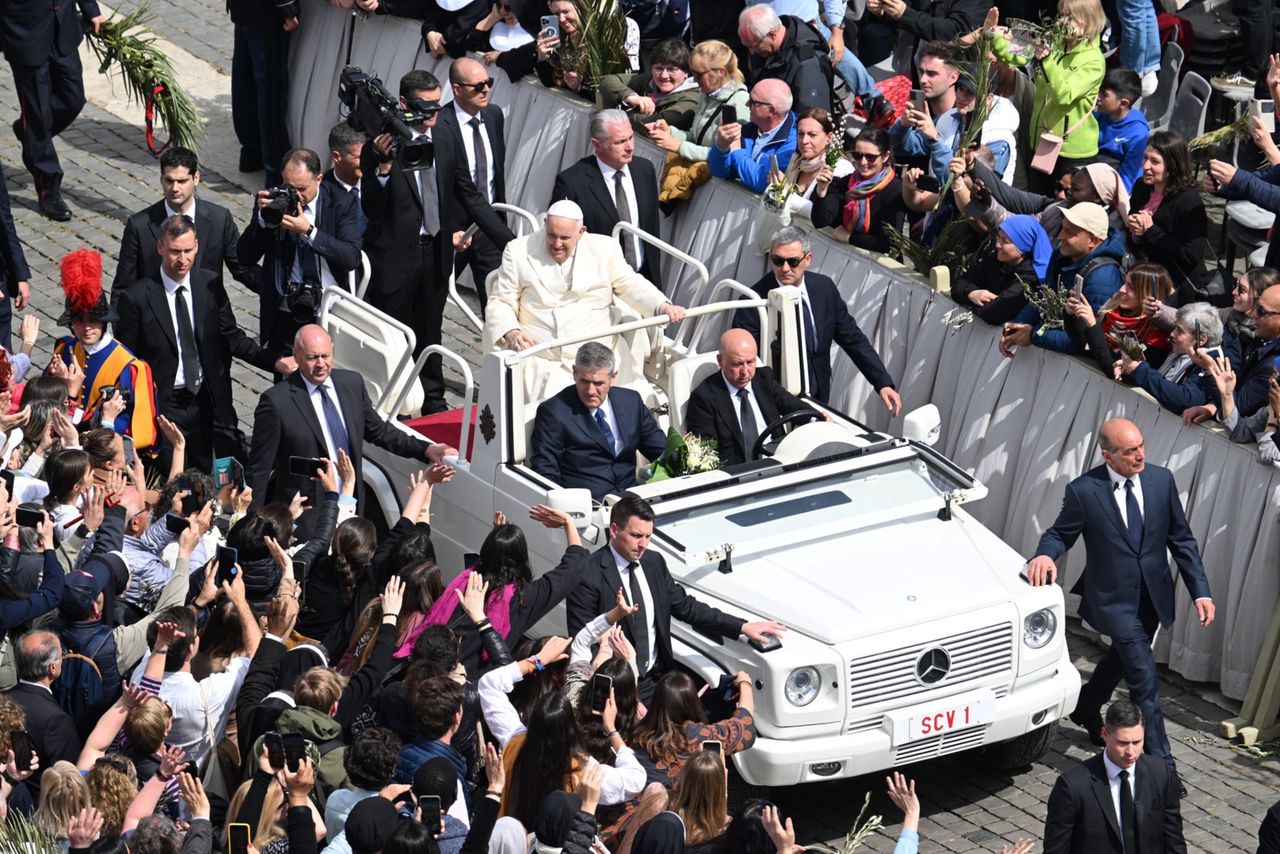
column 1122, row 128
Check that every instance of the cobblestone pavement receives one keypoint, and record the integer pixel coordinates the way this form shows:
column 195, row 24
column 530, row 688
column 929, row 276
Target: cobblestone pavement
column 966, row 808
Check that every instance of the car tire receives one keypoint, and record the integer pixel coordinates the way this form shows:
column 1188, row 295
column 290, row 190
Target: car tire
column 1021, row 752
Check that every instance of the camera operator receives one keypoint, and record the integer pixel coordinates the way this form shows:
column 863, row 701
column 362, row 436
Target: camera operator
column 416, row 219
column 307, row 234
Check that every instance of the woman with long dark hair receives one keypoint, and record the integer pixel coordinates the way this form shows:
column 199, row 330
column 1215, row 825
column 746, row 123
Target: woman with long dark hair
column 1168, row 225
column 860, row 204
column 330, row 586
column 515, row 599
column 675, row 725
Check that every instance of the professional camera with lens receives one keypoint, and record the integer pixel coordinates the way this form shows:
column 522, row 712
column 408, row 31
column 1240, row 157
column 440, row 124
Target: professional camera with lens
column 282, row 201
column 373, row 111
column 303, row 300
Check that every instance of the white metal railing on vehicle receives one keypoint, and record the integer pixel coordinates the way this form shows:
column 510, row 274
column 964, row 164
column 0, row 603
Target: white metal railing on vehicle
column 699, row 269
column 366, row 272
column 631, row 326
column 464, row 435
column 455, row 297
column 692, row 333
column 335, row 295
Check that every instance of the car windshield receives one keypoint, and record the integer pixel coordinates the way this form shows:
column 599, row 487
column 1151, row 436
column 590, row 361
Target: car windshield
column 766, row 512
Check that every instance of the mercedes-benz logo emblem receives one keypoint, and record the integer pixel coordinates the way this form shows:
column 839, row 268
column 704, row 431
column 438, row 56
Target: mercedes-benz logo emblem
column 933, row 665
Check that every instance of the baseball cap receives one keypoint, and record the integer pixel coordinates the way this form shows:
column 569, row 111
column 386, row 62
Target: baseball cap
column 105, row 573
column 1090, row 216
column 370, row 824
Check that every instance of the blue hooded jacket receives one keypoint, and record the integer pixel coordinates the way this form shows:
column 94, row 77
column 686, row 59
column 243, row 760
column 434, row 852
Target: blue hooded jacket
column 1125, row 140
column 1100, row 285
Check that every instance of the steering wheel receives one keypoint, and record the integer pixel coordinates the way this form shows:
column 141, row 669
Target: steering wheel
column 798, row 417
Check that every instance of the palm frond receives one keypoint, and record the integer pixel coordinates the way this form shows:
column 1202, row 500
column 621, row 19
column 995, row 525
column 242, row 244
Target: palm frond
column 979, row 75
column 602, row 49
column 125, row 42
column 1225, row 135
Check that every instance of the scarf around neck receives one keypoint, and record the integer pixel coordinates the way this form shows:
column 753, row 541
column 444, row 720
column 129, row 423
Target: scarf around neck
column 857, row 205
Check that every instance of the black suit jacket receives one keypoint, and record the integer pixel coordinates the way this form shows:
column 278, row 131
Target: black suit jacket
column 833, row 324
column 31, row 31
column 285, row 424
column 598, row 593
column 337, row 240
column 395, row 217
column 53, row 733
column 14, row 267
column 492, row 124
column 570, row 449
column 1082, row 817
column 255, row 14
column 215, row 230
column 146, row 328
column 583, row 182
column 713, row 414
column 331, row 180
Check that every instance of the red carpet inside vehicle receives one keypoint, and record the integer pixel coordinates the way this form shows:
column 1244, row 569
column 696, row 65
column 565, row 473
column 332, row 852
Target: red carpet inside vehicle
column 445, row 427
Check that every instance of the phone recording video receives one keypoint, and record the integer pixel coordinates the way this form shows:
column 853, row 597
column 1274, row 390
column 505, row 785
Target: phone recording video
column 601, row 686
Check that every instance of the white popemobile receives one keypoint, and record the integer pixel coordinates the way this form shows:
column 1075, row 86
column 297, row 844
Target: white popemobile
column 912, row 634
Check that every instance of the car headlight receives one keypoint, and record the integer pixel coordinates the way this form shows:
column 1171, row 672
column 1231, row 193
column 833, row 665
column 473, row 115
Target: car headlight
column 1039, row 628
column 802, row 686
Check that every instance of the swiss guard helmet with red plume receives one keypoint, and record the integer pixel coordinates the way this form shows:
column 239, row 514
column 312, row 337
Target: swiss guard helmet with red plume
column 82, row 282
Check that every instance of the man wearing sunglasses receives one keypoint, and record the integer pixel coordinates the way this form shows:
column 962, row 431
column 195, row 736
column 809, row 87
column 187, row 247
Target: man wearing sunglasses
column 826, row 319
column 475, row 128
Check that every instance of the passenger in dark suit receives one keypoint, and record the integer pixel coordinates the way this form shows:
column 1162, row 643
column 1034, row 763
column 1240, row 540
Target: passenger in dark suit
column 260, row 81
column 473, row 120
column 346, row 144
column 626, row 565
column 180, row 322
column 593, row 183
column 735, row 418
column 588, row 434
column 320, row 242
column 1118, row 802
column 41, row 40
column 38, row 659
column 411, row 245
column 16, row 282
column 215, row 229
column 1129, row 513
column 294, row 419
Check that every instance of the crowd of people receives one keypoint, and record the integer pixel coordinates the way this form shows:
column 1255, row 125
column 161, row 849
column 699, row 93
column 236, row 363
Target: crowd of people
column 206, row 645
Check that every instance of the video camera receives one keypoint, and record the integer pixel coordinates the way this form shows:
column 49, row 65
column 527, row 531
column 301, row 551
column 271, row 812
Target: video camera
column 373, row 111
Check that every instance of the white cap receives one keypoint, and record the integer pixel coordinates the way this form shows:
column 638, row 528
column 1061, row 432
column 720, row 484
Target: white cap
column 566, row 209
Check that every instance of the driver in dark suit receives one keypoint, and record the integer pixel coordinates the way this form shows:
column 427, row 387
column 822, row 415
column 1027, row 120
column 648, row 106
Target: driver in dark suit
column 733, row 406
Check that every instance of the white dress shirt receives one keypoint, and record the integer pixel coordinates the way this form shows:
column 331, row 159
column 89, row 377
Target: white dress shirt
column 201, row 708
column 629, row 186
column 1113, row 782
column 468, row 143
column 171, row 296
column 330, row 449
column 737, row 405
column 804, row 296
column 311, row 211
column 190, row 212
column 1118, row 492
column 646, row 604
column 348, row 187
column 607, row 409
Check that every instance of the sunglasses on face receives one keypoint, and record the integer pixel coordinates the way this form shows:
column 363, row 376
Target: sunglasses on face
column 778, row 261
column 863, row 155
column 1259, row 311
column 478, row 87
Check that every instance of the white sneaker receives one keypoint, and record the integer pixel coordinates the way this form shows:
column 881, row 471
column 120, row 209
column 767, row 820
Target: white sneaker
column 1234, row 81
column 1150, row 81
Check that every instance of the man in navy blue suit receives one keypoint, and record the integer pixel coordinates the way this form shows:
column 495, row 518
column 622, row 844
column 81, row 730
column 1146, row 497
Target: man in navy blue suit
column 826, row 318
column 1130, row 514
column 588, row 434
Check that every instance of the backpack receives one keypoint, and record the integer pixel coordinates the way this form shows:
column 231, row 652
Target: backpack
column 78, row 689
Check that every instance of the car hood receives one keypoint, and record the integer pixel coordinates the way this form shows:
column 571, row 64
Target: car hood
column 868, row 581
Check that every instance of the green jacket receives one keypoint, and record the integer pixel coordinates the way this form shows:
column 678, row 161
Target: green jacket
column 1066, row 91
column 675, row 107
column 319, row 729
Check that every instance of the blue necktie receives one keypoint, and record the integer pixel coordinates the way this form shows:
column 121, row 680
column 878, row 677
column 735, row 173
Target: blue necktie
column 337, row 430
column 1134, row 513
column 603, row 424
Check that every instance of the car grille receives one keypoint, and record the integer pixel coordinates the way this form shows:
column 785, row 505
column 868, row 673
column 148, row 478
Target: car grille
column 890, row 676
column 940, row 745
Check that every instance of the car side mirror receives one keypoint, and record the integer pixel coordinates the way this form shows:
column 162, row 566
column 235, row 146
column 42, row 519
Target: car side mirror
column 923, row 425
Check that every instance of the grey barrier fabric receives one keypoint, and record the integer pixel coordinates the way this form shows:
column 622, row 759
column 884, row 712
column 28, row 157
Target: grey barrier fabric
column 1024, row 426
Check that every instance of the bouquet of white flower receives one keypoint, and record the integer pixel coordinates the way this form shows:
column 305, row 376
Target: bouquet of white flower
column 687, row 454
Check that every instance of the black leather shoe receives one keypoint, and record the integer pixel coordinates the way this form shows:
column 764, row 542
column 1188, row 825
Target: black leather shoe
column 1182, row 790
column 52, row 206
column 879, row 111
column 1090, row 723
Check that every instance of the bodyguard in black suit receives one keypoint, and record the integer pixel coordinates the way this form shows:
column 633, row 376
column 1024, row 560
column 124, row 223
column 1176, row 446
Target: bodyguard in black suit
column 475, row 128
column 40, row 39
column 180, row 322
column 345, row 146
column 1121, row 801
column 733, row 405
column 293, row 418
column 321, row 242
column 411, row 241
column 593, row 182
column 215, row 229
column 16, row 284
column 260, row 81
column 38, row 660
column 626, row 564
column 588, row 434
column 826, row 317
column 1130, row 516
